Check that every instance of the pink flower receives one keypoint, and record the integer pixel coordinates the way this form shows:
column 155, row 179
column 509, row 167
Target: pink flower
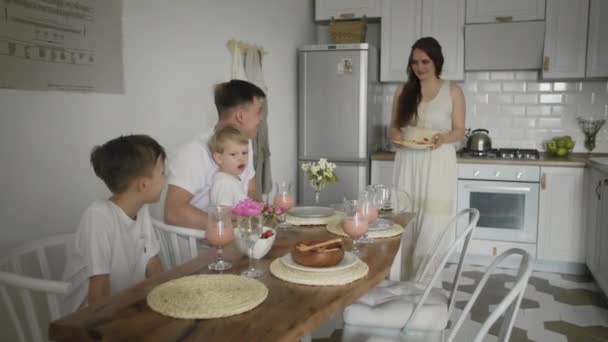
column 248, row 207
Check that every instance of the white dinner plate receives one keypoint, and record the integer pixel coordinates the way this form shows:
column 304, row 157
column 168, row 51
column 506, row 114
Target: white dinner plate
column 413, row 145
column 380, row 225
column 348, row 261
column 310, row 212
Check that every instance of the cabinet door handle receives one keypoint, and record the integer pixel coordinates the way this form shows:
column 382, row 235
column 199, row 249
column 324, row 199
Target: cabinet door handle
column 346, row 15
column 504, row 19
column 597, row 190
column 543, row 181
column 546, row 63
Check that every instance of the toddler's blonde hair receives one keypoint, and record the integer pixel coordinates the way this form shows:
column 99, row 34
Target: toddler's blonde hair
column 217, row 143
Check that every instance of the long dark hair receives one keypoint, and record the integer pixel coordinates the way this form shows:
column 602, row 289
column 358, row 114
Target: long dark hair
column 407, row 107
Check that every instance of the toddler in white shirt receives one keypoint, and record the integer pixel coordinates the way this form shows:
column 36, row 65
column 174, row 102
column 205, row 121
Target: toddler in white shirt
column 230, row 150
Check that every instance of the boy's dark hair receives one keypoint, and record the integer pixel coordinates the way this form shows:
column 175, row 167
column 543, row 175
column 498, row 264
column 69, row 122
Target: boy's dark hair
column 234, row 93
column 119, row 161
column 217, row 143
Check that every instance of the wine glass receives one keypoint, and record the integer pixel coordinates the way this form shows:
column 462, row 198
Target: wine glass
column 283, row 199
column 249, row 231
column 355, row 222
column 219, row 234
column 369, row 208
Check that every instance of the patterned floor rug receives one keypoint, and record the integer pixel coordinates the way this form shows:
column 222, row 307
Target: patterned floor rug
column 556, row 307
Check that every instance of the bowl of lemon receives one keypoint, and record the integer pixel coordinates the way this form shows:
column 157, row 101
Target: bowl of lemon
column 561, row 146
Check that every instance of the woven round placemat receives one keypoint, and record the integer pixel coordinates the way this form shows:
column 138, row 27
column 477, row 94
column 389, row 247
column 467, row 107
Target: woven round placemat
column 342, row 277
column 336, row 228
column 207, row 296
column 313, row 221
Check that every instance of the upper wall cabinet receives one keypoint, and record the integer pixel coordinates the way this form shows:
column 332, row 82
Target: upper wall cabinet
column 566, row 39
column 347, row 9
column 597, row 45
column 490, row 11
column 405, row 21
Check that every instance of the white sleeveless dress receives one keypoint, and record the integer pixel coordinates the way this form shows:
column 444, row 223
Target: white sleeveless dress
column 429, row 176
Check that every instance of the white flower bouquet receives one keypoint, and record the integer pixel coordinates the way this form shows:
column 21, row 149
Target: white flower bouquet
column 320, row 173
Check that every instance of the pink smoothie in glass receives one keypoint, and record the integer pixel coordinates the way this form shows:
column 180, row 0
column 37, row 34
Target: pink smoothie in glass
column 284, row 202
column 220, row 237
column 354, row 227
column 372, row 214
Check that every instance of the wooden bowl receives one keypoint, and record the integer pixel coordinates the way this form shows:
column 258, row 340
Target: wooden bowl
column 326, row 256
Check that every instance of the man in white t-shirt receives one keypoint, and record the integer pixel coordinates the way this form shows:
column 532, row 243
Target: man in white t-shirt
column 192, row 168
column 115, row 246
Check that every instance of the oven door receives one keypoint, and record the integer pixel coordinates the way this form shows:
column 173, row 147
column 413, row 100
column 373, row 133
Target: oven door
column 508, row 210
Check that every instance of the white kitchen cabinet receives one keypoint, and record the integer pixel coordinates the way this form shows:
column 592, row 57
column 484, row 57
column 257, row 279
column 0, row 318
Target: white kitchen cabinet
column 489, row 11
column 593, row 188
column 565, row 39
column 347, row 9
column 382, row 172
column 597, row 43
column 596, row 205
column 561, row 224
column 405, row 21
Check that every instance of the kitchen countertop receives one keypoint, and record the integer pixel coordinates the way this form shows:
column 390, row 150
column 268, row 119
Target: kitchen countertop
column 546, row 159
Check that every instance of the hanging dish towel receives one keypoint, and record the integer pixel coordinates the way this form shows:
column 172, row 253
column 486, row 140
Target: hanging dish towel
column 261, row 149
column 237, row 71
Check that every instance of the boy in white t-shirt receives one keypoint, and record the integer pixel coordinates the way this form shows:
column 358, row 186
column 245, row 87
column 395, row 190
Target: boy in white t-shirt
column 230, row 150
column 115, row 246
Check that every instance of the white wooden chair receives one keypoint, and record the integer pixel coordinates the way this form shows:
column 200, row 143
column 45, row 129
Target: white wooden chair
column 33, row 272
column 177, row 244
column 508, row 307
column 394, row 308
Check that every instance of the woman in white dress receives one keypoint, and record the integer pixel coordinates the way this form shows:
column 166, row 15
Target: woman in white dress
column 427, row 108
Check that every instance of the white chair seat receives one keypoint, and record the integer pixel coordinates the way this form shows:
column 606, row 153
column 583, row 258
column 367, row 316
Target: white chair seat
column 391, row 303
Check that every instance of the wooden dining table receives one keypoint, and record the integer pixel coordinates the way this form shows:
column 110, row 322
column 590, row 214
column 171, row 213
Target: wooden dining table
column 290, row 311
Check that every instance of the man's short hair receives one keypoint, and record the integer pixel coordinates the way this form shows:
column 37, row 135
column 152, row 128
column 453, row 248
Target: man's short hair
column 119, row 161
column 217, row 143
column 233, row 93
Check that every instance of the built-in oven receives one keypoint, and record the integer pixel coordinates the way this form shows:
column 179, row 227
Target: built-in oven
column 507, row 199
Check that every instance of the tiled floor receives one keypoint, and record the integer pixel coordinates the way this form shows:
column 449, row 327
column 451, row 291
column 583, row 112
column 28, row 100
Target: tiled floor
column 556, row 308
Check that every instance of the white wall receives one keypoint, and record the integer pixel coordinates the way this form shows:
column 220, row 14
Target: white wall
column 173, row 53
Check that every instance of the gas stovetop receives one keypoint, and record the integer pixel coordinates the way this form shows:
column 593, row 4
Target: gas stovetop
column 504, row 153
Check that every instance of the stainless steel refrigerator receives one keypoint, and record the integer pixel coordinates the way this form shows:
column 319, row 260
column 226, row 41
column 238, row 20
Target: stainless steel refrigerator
column 336, row 104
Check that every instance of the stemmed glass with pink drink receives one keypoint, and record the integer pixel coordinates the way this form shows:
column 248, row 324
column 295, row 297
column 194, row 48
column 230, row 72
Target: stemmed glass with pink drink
column 283, row 199
column 355, row 222
column 219, row 234
column 368, row 206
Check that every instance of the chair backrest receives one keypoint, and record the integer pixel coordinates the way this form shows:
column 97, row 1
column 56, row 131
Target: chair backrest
column 177, row 244
column 27, row 271
column 464, row 238
column 510, row 303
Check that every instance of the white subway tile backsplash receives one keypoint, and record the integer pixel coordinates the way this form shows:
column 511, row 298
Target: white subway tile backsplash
column 536, row 86
column 526, row 75
column 502, row 75
column 500, row 98
column 595, row 87
column 513, row 110
column 551, row 98
column 522, row 111
column 538, row 110
column 524, row 123
column 489, row 86
column 578, row 98
column 477, row 76
column 567, row 86
column 550, row 123
column 525, row 98
column 514, row 87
